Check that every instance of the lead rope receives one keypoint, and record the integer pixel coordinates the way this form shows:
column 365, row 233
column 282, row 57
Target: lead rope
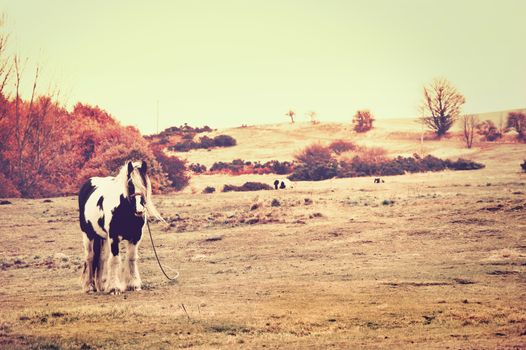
column 157, row 257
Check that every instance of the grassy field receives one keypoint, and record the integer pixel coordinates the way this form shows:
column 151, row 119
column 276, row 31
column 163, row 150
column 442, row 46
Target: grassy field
column 434, row 260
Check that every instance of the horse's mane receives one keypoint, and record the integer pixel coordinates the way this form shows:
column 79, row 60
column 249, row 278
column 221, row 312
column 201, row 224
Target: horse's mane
column 139, row 183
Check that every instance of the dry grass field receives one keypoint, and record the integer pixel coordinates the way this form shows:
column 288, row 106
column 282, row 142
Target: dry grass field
column 423, row 261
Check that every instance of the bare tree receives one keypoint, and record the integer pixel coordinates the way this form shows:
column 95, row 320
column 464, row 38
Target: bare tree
column 6, row 68
column 470, row 122
column 441, row 106
column 36, row 124
column 517, row 121
column 312, row 115
column 291, row 115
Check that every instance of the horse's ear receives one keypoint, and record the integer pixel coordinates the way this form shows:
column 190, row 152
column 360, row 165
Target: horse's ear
column 130, row 168
column 144, row 168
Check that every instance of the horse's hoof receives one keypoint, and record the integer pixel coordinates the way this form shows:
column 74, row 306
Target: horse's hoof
column 114, row 291
column 90, row 289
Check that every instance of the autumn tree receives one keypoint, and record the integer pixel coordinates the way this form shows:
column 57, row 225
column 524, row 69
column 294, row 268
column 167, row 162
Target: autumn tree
column 363, row 121
column 441, row 106
column 469, row 123
column 291, row 115
column 517, row 121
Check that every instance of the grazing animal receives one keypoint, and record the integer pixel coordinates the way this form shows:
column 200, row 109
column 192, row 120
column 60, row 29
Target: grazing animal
column 377, row 180
column 111, row 209
column 281, row 184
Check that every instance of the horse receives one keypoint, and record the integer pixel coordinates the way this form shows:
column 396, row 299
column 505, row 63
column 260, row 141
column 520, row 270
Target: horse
column 283, row 184
column 110, row 209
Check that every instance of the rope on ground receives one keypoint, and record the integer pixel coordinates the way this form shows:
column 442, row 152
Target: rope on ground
column 157, row 256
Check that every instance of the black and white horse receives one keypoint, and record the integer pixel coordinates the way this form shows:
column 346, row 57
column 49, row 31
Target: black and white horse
column 111, row 209
column 281, row 184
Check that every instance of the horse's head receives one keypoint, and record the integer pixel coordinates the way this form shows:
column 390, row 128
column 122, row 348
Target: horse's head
column 138, row 187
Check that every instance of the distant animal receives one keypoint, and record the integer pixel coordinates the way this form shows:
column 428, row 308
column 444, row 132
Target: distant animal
column 281, row 184
column 377, row 180
column 111, row 209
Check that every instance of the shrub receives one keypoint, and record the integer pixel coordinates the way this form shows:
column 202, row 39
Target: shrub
column 517, row 121
column 239, row 166
column 197, row 168
column 8, row 189
column 209, row 189
column 247, row 186
column 488, row 130
column 204, row 142
column 184, row 146
column 340, row 146
column 315, row 163
column 431, row 163
column 230, row 166
column 174, row 168
column 363, row 121
column 280, row 168
column 400, row 165
column 464, row 164
column 224, row 141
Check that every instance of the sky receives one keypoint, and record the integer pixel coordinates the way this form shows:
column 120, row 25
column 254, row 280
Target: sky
column 227, row 63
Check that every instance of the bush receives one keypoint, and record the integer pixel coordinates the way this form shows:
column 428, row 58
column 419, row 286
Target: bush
column 517, row 121
column 247, row 186
column 363, row 121
column 431, row 163
column 280, row 168
column 204, row 142
column 209, row 189
column 184, row 146
column 174, row 168
column 197, row 168
column 488, row 130
column 464, row 164
column 341, row 146
column 315, row 163
column 224, row 141
column 239, row 166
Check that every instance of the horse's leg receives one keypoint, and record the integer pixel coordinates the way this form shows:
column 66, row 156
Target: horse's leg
column 101, row 248
column 88, row 284
column 133, row 278
column 114, row 284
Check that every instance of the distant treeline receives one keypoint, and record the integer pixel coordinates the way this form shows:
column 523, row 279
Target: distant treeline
column 317, row 162
column 239, row 166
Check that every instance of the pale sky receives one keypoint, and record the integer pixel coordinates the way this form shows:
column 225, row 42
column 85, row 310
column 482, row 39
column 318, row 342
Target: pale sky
column 227, row 63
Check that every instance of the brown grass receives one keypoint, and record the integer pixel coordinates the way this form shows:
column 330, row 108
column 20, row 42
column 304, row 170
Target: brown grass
column 330, row 267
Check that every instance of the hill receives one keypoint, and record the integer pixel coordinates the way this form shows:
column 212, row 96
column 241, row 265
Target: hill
column 283, row 141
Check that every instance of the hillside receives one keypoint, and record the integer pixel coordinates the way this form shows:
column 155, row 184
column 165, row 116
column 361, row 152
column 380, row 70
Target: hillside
column 283, row 141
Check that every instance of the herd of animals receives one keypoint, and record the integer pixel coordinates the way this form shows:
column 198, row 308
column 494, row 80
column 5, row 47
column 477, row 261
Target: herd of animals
column 116, row 208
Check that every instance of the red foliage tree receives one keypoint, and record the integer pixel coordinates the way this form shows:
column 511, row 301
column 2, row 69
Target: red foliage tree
column 363, row 121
